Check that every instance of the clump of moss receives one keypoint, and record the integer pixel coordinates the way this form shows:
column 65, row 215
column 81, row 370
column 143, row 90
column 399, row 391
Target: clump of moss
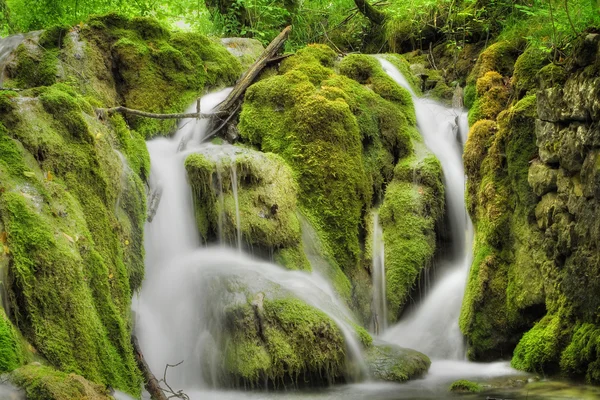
column 32, row 65
column 307, row 111
column 279, row 341
column 266, row 198
column 465, row 386
column 527, row 66
column 159, row 71
column 500, row 56
column 45, row 383
column 539, row 349
column 581, row 357
column 412, row 206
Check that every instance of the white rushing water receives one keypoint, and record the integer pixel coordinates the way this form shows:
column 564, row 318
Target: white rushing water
column 432, row 327
column 181, row 302
column 378, row 267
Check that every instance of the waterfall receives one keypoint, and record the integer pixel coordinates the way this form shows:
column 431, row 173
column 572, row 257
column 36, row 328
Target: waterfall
column 179, row 310
column 432, row 327
column 379, row 298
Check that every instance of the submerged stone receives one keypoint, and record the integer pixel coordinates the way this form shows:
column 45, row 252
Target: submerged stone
column 393, row 363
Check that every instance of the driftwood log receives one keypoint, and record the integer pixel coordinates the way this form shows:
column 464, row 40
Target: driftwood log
column 150, row 382
column 230, row 105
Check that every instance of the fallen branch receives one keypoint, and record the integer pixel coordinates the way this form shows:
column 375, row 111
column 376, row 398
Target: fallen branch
column 10, row 89
column 230, row 105
column 151, row 383
column 101, row 112
column 246, row 80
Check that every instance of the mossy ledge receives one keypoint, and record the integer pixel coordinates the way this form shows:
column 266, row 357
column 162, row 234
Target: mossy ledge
column 72, row 197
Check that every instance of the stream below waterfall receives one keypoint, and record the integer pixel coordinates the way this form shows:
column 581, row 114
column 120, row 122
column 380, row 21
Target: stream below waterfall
column 179, row 303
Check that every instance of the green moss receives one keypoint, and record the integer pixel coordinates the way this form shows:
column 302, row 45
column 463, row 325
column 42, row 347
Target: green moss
column 552, row 75
column 400, row 62
column 465, row 386
column 539, row 349
column 159, row 71
column 307, row 111
column 582, row 355
column 505, row 292
column 33, row 66
column 528, row 64
column 413, row 204
column 280, row 342
column 500, row 57
column 54, row 36
column 45, row 383
column 266, row 199
column 12, row 354
column 74, row 223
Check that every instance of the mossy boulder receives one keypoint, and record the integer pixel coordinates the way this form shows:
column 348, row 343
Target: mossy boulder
column 269, row 334
column 266, row 201
column 308, row 110
column 388, row 362
column 412, row 207
column 278, row 341
column 45, row 383
column 465, row 386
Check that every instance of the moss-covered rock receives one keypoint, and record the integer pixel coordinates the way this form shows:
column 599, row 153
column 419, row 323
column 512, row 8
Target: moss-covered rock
column 307, row 111
column 505, row 291
column 388, row 362
column 282, row 341
column 46, row 383
column 526, row 69
column 465, row 386
column 135, row 62
column 266, row 201
column 73, row 214
column 412, row 207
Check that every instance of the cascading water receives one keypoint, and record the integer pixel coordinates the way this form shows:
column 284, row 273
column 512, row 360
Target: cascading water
column 186, row 286
column 379, row 298
column 433, row 326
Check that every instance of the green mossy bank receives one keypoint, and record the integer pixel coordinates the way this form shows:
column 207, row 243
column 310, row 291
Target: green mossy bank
column 72, row 193
column 531, row 160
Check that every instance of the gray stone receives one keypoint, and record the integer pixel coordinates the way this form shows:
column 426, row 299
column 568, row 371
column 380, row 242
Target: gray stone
column 542, row 178
column 388, row 362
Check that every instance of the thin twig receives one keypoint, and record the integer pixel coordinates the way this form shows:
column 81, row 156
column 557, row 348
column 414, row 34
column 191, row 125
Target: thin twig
column 214, row 132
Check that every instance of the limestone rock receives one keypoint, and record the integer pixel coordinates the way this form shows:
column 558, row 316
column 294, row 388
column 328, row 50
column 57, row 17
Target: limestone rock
column 542, row 178
column 389, row 362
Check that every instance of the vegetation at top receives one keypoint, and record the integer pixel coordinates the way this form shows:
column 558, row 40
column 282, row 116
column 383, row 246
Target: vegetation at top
column 348, row 25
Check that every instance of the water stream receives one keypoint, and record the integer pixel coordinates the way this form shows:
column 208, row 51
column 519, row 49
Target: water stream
column 181, row 302
column 179, row 309
column 432, row 327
